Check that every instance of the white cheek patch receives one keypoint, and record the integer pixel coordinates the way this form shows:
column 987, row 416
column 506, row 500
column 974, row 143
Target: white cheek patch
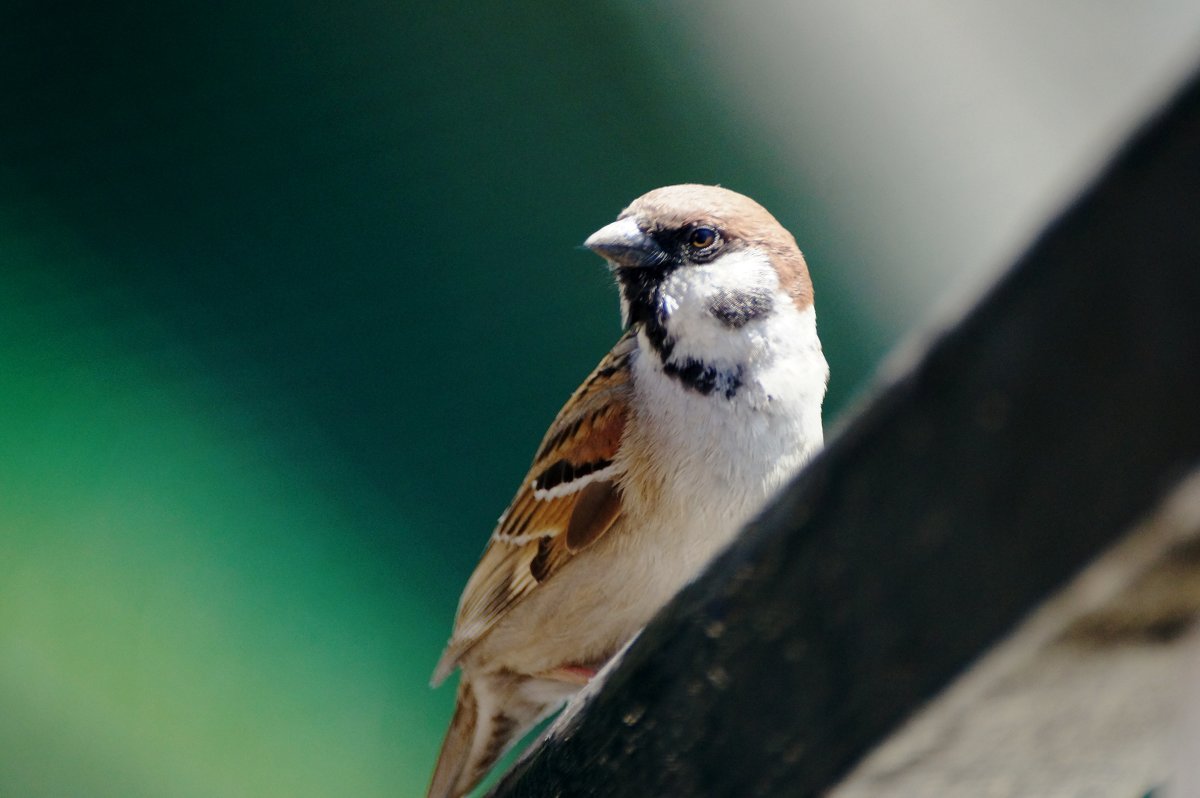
column 706, row 301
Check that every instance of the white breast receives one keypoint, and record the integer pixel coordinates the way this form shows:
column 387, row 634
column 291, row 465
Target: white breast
column 697, row 468
column 715, row 460
column 721, row 457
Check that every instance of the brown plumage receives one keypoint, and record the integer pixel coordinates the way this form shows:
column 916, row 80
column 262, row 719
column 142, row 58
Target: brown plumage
column 535, row 538
column 586, row 431
column 708, row 402
column 744, row 221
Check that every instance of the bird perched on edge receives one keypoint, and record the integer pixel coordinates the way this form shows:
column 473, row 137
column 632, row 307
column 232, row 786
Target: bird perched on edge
column 706, row 406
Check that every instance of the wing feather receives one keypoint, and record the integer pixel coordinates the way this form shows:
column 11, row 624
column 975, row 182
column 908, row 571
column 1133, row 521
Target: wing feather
column 529, row 544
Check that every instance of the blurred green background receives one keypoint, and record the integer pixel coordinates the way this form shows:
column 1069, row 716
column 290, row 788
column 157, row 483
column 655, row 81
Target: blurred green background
column 289, row 292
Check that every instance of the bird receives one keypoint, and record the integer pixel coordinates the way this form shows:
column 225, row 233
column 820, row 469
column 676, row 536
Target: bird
column 707, row 405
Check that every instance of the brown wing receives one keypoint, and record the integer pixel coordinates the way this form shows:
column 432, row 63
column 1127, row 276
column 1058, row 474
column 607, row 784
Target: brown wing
column 569, row 499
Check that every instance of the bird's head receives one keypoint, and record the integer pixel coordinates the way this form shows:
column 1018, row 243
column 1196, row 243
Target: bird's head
column 703, row 252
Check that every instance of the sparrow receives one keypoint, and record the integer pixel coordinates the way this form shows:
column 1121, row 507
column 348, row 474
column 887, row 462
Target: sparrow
column 705, row 407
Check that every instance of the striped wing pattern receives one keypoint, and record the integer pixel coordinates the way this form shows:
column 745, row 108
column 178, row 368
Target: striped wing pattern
column 569, row 498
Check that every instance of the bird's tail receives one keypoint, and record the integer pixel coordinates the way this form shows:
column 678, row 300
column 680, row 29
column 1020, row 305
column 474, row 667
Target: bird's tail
column 487, row 722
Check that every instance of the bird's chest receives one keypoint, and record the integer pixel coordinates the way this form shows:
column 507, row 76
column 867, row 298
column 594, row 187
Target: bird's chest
column 709, row 461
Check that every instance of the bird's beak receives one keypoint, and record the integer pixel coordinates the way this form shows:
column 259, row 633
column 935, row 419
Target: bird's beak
column 624, row 245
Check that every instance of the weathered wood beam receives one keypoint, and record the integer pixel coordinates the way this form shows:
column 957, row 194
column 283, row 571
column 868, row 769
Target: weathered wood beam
column 1025, row 439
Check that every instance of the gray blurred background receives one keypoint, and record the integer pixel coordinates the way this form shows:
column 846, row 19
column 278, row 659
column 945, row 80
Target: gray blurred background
column 289, row 292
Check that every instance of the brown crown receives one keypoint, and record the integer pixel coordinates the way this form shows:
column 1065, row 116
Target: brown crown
column 742, row 221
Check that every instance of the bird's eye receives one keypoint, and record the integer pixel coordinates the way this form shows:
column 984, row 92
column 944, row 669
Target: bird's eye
column 702, row 238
